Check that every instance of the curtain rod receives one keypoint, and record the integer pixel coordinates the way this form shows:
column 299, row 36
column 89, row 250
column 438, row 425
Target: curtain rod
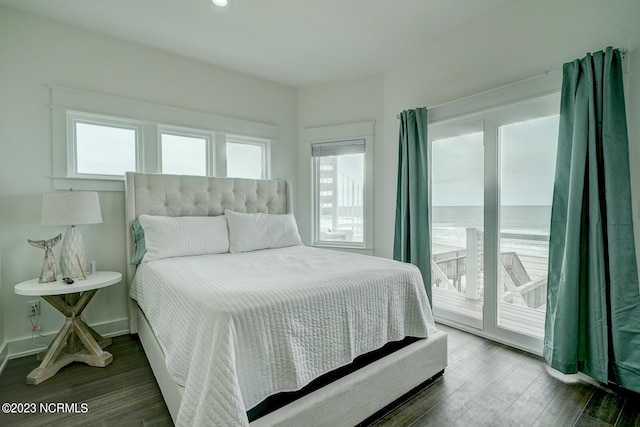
column 544, row 74
column 624, row 51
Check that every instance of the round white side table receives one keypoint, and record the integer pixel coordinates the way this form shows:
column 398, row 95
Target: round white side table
column 76, row 341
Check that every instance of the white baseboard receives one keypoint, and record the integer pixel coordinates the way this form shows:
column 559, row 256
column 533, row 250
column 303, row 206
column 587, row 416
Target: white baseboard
column 28, row 346
column 4, row 356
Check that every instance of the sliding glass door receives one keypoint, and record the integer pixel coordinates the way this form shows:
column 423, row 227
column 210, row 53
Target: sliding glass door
column 527, row 168
column 491, row 188
column 457, row 199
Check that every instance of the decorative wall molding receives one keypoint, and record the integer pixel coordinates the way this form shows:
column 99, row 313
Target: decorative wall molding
column 150, row 117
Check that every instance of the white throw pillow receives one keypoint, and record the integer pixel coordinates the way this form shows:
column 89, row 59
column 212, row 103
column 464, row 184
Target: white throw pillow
column 167, row 237
column 251, row 232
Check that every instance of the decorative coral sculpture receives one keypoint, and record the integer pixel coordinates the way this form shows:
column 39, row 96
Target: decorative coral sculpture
column 49, row 267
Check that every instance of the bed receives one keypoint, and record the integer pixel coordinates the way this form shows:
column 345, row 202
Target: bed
column 228, row 329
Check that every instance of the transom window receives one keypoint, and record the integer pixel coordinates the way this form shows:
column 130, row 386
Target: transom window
column 107, row 147
column 186, row 151
column 247, row 157
column 102, row 146
column 96, row 138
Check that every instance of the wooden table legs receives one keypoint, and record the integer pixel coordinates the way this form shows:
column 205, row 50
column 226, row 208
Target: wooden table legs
column 76, row 341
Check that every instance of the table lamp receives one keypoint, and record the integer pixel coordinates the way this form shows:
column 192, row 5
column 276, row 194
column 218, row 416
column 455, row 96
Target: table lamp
column 71, row 208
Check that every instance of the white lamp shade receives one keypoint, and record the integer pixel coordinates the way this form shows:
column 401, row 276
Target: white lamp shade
column 70, row 208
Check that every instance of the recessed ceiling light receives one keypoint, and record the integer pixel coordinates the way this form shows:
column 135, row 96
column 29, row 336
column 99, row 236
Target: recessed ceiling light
column 219, row 2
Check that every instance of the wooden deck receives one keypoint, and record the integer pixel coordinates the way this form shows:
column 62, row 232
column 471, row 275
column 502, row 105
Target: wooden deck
column 520, row 319
column 523, row 298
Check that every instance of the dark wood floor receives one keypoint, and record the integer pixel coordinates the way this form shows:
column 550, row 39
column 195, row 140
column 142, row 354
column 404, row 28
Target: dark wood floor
column 122, row 394
column 490, row 384
column 485, row 384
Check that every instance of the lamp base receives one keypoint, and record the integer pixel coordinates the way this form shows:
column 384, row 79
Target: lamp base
column 72, row 254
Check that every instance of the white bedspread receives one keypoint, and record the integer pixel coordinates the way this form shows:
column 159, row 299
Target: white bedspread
column 236, row 328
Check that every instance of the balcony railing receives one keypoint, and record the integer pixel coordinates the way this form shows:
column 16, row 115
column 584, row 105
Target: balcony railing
column 458, row 282
column 344, row 207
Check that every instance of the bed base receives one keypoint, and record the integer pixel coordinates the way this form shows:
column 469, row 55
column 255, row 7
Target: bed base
column 347, row 401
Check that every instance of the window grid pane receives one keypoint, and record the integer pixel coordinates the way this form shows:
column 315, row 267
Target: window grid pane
column 527, row 170
column 245, row 160
column 184, row 155
column 340, row 207
column 104, row 149
column 458, row 225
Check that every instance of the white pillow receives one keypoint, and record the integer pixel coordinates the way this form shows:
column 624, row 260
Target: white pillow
column 251, row 232
column 166, row 236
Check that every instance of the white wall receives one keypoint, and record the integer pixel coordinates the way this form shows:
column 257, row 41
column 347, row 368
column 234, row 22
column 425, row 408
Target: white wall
column 633, row 111
column 37, row 52
column 3, row 347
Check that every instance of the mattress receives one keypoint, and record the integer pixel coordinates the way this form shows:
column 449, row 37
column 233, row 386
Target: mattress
column 236, row 328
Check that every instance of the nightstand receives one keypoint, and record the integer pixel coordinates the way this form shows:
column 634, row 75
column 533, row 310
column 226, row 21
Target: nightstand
column 76, row 341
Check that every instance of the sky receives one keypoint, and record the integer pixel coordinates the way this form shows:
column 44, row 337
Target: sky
column 182, row 155
column 91, row 157
column 527, row 165
column 352, row 165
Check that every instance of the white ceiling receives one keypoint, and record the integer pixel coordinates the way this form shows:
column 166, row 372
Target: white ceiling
column 306, row 42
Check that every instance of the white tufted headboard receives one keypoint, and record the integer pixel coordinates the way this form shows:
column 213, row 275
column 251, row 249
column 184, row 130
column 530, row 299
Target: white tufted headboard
column 181, row 195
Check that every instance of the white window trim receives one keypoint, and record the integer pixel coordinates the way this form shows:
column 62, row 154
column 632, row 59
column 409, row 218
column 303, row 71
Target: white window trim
column 336, row 133
column 74, row 117
column 151, row 116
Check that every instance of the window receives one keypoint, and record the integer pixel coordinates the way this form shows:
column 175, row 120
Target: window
column 247, row 157
column 186, row 152
column 457, row 176
column 93, row 151
column 492, row 174
column 527, row 170
column 341, row 175
column 103, row 146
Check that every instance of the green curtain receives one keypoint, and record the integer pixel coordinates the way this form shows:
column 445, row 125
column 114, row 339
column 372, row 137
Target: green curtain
column 412, row 242
column 593, row 300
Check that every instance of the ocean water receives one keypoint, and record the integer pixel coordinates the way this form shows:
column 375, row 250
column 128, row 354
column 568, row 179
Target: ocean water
column 449, row 224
